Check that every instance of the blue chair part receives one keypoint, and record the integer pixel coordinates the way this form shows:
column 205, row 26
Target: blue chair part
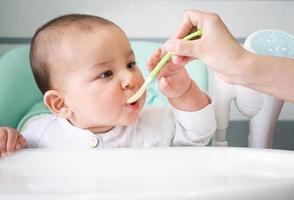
column 18, row 90
column 273, row 43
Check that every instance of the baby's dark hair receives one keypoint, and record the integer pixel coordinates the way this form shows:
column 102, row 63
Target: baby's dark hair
column 47, row 38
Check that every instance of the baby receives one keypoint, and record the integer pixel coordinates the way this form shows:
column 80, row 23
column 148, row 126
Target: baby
column 86, row 69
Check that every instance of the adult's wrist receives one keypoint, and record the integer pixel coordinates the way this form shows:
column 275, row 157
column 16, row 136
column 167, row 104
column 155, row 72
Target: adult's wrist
column 245, row 69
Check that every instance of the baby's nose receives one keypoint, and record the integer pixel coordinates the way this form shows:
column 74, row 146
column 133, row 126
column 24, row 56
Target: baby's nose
column 128, row 80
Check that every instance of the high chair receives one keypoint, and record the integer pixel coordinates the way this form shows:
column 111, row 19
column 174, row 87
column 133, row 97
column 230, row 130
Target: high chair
column 263, row 110
column 20, row 98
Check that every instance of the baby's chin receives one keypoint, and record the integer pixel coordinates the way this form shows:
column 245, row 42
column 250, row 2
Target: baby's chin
column 100, row 129
column 133, row 119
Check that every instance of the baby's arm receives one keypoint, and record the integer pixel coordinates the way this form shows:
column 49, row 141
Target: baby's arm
column 10, row 141
column 174, row 82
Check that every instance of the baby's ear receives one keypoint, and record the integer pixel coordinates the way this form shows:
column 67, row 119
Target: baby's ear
column 55, row 102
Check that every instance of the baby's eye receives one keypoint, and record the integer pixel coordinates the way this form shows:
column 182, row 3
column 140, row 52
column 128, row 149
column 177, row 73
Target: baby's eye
column 132, row 65
column 106, row 74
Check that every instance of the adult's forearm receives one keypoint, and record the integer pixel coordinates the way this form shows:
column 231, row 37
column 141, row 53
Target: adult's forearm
column 268, row 74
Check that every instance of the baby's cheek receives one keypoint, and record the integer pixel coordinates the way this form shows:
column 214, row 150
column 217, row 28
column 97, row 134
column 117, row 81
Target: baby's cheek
column 140, row 77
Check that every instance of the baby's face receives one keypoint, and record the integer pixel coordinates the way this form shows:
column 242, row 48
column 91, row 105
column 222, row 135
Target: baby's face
column 102, row 75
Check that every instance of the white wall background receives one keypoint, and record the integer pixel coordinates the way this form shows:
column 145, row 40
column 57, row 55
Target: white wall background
column 149, row 18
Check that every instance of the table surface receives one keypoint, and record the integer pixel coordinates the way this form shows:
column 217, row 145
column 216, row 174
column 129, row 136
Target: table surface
column 148, row 173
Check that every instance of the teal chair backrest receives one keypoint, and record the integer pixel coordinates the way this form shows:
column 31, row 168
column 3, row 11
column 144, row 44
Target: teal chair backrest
column 18, row 90
column 20, row 97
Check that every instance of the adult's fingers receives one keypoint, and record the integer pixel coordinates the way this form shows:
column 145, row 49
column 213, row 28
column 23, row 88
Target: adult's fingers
column 184, row 48
column 3, row 139
column 21, row 142
column 191, row 19
column 11, row 140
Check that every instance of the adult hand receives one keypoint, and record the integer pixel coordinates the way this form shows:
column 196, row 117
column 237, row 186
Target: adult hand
column 10, row 141
column 217, row 47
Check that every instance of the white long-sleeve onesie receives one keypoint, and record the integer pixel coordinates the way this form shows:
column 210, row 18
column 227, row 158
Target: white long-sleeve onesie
column 155, row 127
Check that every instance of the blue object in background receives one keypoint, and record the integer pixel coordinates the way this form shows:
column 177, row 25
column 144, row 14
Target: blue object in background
column 273, row 43
column 18, row 90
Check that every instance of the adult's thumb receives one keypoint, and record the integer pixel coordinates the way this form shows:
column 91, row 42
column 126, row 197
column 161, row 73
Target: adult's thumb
column 183, row 48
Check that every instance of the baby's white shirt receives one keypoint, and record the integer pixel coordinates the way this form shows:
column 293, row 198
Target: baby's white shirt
column 155, row 127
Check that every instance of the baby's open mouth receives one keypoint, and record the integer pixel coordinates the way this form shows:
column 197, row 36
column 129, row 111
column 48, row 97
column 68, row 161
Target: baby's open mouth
column 133, row 103
column 133, row 106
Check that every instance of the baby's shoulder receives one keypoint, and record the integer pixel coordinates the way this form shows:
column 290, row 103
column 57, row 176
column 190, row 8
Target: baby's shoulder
column 34, row 127
column 38, row 121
